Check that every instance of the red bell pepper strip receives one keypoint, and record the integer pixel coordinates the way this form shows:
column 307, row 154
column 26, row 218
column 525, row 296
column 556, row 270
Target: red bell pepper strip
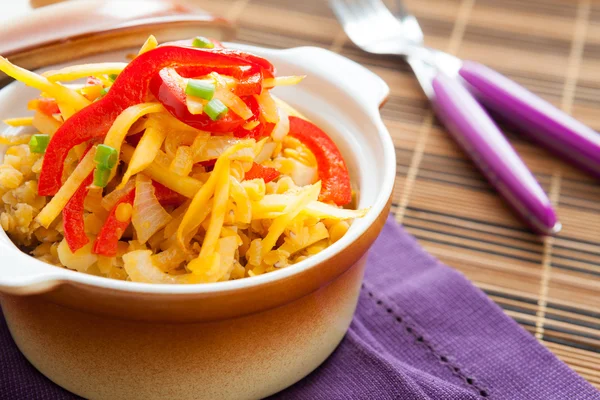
column 262, row 129
column 130, row 88
column 73, row 225
column 333, row 173
column 167, row 88
column 261, row 172
column 166, row 196
column 267, row 67
column 107, row 240
column 45, row 106
column 249, row 77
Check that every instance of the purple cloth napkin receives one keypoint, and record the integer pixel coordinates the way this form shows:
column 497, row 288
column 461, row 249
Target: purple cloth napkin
column 421, row 331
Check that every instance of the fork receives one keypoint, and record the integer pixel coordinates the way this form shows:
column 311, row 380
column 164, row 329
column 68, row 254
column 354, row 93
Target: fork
column 454, row 88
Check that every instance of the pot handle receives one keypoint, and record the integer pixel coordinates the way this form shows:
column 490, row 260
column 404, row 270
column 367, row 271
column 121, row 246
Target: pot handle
column 21, row 274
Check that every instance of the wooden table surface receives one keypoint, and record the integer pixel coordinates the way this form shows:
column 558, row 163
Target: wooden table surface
column 551, row 287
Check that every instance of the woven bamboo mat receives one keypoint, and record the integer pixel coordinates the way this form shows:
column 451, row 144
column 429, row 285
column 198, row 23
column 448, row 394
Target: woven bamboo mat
column 552, row 286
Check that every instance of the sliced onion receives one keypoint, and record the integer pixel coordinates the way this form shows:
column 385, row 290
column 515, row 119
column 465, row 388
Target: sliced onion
column 284, row 80
column 169, row 259
column 265, row 153
column 177, row 215
column 282, row 127
column 268, row 107
column 162, row 159
column 244, row 155
column 303, row 175
column 148, row 215
column 175, row 139
column 182, row 163
column 139, row 267
column 213, row 147
column 226, row 248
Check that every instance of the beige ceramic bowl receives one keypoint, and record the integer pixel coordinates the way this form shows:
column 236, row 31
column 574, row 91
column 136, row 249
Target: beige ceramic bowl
column 244, row 339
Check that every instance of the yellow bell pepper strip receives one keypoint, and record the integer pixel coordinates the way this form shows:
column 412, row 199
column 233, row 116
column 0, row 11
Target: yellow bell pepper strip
column 148, row 45
column 21, row 121
column 117, row 132
column 83, row 71
column 184, row 185
column 61, row 93
column 73, row 182
column 307, row 195
column 146, row 149
column 190, row 221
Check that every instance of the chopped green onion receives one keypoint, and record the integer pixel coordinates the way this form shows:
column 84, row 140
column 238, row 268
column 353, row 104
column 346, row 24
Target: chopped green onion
column 101, row 176
column 103, row 92
column 38, row 143
column 106, row 156
column 202, row 89
column 215, row 109
column 113, row 77
column 202, row 42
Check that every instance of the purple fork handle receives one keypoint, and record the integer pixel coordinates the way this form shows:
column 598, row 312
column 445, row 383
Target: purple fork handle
column 536, row 117
column 479, row 136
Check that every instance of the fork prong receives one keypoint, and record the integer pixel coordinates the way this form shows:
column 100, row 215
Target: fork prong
column 350, row 17
column 379, row 10
column 367, row 21
column 347, row 11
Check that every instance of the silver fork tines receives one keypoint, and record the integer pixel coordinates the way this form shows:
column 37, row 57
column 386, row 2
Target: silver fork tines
column 371, row 26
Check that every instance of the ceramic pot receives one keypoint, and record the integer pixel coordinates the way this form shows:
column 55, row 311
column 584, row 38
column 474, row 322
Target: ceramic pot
column 243, row 339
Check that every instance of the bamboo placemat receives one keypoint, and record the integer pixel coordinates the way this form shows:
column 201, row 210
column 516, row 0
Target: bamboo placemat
column 552, row 286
